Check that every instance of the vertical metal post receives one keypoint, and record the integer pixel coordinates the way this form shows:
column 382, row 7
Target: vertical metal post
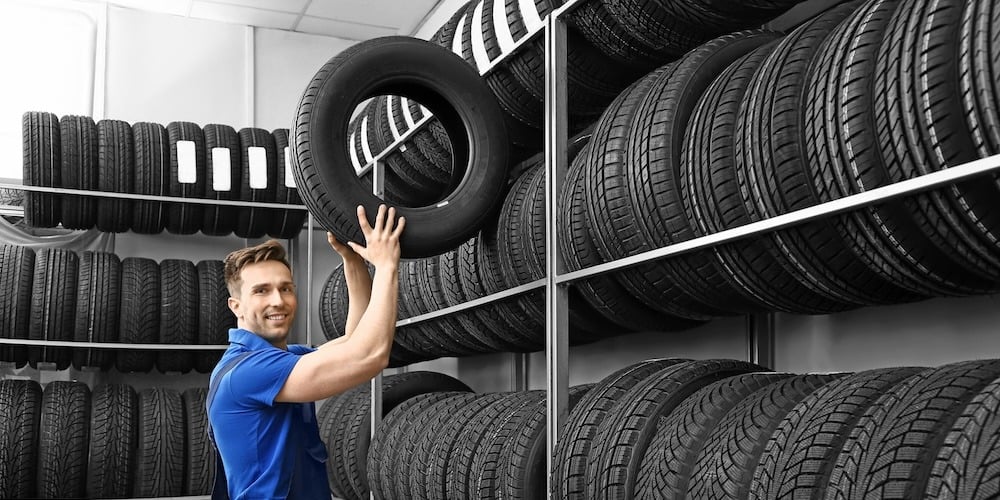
column 309, row 281
column 378, row 189
column 760, row 339
column 519, row 372
column 556, row 296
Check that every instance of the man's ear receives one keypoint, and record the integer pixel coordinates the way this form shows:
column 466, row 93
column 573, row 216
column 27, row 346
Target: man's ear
column 234, row 306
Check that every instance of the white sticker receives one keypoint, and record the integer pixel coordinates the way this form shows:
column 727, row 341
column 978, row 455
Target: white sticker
column 187, row 173
column 258, row 167
column 289, row 179
column 222, row 177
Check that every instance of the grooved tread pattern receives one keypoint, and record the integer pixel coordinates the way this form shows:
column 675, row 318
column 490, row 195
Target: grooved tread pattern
column 152, row 176
column 199, row 464
column 41, row 162
column 20, row 411
column 115, row 174
column 214, row 317
column 113, row 441
column 53, row 305
column 64, row 439
column 159, row 469
column 140, row 313
column 78, row 136
column 98, row 300
column 186, row 218
column 178, row 314
column 17, row 269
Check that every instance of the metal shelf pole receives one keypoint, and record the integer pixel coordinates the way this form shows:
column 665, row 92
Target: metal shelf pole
column 378, row 189
column 556, row 295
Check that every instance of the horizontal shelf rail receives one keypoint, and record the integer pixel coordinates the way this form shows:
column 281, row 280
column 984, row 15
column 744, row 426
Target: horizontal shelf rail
column 840, row 205
column 496, row 297
column 114, row 345
column 149, row 197
column 903, row 188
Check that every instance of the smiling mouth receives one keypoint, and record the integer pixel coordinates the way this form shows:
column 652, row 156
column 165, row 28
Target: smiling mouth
column 276, row 317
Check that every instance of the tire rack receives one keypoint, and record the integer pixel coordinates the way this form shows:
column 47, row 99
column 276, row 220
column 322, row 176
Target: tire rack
column 170, row 199
column 759, row 327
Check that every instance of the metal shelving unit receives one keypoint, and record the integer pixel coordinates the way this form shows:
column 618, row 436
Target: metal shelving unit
column 759, row 328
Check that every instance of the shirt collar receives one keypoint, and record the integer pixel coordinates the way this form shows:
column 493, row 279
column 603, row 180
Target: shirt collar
column 248, row 339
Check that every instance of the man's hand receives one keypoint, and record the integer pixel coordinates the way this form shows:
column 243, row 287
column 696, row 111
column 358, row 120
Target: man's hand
column 345, row 251
column 382, row 240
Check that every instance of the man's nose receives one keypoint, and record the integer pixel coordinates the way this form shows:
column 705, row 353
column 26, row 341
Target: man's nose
column 276, row 297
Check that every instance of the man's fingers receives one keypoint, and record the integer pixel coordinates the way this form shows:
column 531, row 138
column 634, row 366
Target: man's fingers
column 399, row 227
column 380, row 219
column 363, row 220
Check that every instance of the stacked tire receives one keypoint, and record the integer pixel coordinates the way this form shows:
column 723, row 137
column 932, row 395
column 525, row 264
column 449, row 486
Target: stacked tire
column 182, row 160
column 113, row 442
column 59, row 295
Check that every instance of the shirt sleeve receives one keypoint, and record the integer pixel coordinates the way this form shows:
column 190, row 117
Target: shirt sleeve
column 258, row 378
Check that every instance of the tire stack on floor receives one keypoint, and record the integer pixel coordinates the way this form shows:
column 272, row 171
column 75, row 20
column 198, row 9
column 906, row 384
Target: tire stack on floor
column 181, row 160
column 114, row 442
column 59, row 295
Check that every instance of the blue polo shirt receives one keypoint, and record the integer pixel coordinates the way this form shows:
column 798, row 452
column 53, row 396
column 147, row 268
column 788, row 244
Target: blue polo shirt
column 269, row 449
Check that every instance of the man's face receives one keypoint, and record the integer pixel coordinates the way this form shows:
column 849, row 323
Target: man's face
column 266, row 305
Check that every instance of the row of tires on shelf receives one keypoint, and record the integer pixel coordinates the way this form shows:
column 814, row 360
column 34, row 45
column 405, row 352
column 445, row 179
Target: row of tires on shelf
column 673, row 428
column 181, row 160
column 743, row 128
column 58, row 295
column 67, row 441
column 608, row 48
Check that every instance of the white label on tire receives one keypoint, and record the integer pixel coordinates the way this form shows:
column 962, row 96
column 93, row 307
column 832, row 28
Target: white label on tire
column 222, row 177
column 187, row 173
column 289, row 180
column 258, row 167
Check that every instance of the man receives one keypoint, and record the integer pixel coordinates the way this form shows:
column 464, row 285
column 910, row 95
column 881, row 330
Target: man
column 261, row 402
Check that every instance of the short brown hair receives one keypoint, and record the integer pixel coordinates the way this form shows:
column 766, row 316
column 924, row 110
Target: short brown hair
column 237, row 260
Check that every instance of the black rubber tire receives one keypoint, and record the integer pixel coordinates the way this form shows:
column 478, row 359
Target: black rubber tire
column 20, row 410
column 199, row 465
column 711, row 199
column 53, row 305
column 576, row 439
column 329, row 417
column 492, row 331
column 255, row 222
column 113, row 441
column 669, row 460
column 893, row 447
column 621, row 440
column 446, row 33
column 115, row 174
column 395, row 390
column 178, row 314
column 333, row 304
column 286, row 224
column 452, row 90
column 602, row 293
column 152, row 176
column 725, row 467
column 17, row 269
column 42, row 155
column 186, row 218
column 653, row 162
column 771, row 120
column 382, row 454
column 214, row 317
column 610, row 210
column 64, row 438
column 922, row 118
column 522, row 471
column 220, row 220
column 408, row 476
column 98, row 299
column 159, row 467
column 140, row 313
column 441, row 450
column 964, row 467
column 470, row 462
column 432, row 286
column 78, row 138
column 802, row 451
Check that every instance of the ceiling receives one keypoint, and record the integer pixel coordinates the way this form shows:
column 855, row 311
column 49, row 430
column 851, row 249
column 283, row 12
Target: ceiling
column 351, row 19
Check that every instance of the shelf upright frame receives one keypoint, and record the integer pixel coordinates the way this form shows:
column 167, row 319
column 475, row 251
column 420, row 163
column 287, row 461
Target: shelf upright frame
column 556, row 295
column 375, row 395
